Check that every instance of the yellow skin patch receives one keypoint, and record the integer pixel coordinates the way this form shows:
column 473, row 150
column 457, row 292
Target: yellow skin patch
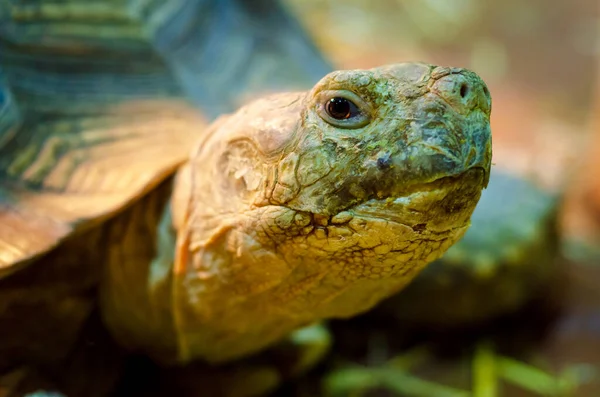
column 287, row 214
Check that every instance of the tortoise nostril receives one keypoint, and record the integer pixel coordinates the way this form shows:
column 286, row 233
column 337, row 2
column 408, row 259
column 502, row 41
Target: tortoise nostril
column 464, row 90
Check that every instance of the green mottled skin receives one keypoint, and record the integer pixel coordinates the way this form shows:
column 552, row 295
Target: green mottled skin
column 284, row 216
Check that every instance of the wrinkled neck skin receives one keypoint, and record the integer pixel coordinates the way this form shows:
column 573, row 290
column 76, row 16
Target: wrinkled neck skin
column 271, row 239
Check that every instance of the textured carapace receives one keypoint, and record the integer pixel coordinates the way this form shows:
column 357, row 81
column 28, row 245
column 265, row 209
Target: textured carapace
column 293, row 210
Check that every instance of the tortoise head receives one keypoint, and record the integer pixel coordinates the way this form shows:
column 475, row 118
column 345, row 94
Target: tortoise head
column 312, row 205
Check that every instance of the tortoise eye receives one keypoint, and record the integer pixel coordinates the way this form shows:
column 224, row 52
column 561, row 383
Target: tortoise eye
column 341, row 108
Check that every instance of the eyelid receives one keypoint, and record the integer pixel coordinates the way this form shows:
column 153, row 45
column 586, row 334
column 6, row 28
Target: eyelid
column 365, row 110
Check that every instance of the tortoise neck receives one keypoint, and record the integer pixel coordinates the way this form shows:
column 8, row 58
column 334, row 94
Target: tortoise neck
column 135, row 292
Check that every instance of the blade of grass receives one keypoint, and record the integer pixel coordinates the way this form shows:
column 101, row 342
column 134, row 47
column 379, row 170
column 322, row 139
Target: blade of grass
column 406, row 384
column 485, row 376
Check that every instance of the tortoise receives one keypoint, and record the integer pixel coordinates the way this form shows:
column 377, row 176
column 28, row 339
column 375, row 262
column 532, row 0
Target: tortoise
column 300, row 206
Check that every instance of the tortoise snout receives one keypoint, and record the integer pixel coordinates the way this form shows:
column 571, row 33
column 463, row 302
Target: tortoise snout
column 463, row 90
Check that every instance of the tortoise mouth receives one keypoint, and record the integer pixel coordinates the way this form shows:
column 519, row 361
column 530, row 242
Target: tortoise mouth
column 475, row 177
column 443, row 204
column 439, row 205
column 472, row 179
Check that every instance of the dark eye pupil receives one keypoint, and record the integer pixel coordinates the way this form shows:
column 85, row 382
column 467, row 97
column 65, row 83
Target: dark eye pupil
column 339, row 108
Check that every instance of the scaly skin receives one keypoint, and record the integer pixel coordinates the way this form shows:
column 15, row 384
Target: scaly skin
column 285, row 216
